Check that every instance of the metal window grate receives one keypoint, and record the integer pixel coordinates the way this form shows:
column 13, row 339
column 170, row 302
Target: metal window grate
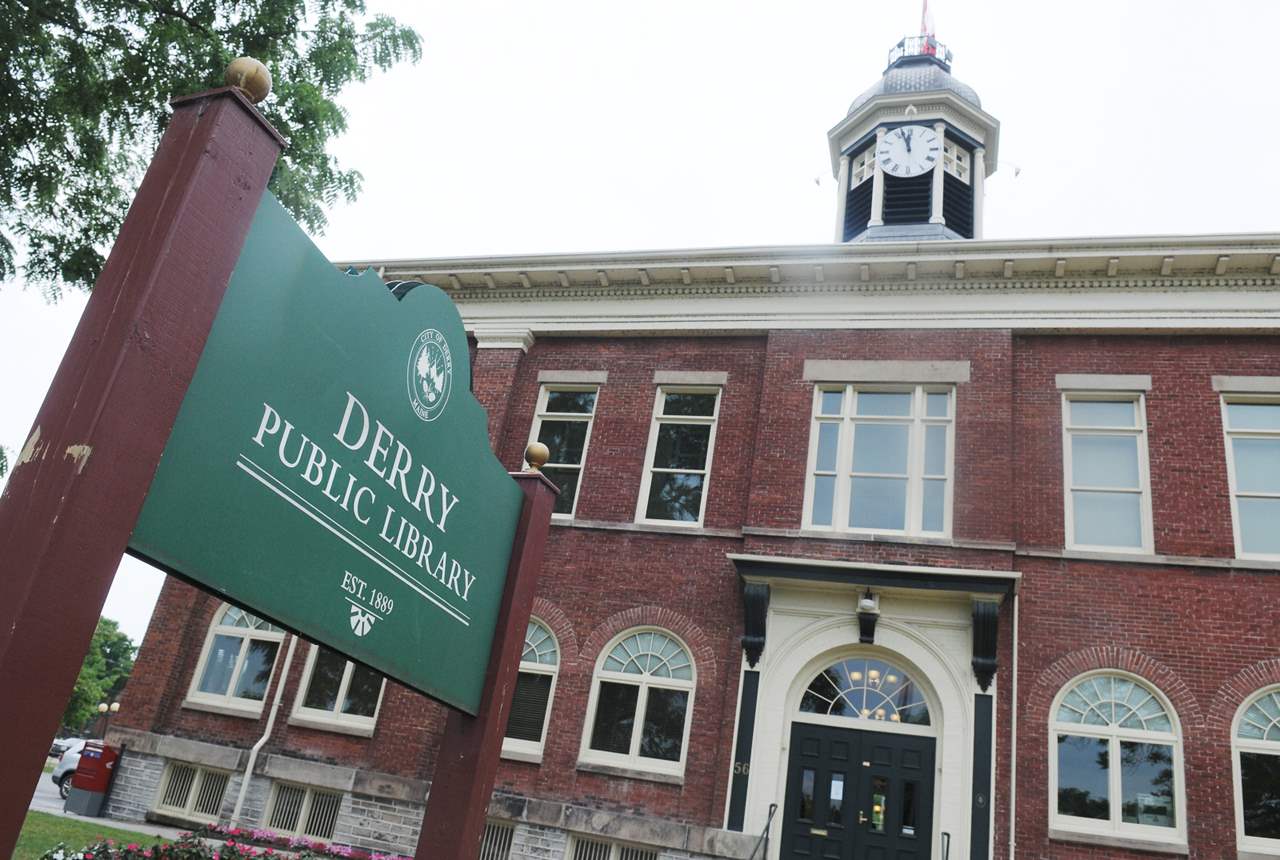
column 209, row 795
column 322, row 816
column 178, row 787
column 286, row 810
column 630, row 852
column 589, row 849
column 496, row 844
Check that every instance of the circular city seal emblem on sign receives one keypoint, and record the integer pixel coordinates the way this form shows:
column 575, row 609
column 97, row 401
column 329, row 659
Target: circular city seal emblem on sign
column 430, row 375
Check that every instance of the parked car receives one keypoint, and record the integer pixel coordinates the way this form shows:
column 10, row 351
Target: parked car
column 61, row 745
column 66, row 767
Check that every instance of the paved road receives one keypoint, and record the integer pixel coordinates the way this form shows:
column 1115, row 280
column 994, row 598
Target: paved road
column 45, row 798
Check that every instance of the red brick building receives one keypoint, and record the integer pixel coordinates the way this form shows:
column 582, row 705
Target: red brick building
column 915, row 544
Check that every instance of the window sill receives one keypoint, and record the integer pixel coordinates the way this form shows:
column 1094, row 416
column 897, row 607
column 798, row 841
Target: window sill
column 307, row 721
column 224, row 709
column 1168, row 560
column 877, row 537
column 1112, row 840
column 698, row 531
column 630, row 773
column 1257, row 854
column 184, row 820
column 521, row 755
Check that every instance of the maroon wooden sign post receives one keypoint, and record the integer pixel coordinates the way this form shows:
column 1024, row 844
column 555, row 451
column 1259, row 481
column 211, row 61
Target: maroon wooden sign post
column 80, row 479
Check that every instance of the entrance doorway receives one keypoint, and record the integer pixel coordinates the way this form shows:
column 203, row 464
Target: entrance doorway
column 858, row 795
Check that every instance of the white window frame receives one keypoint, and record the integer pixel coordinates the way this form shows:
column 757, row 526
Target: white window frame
column 188, row 811
column 530, row 751
column 541, row 414
column 332, row 721
column 304, row 811
column 632, row 760
column 1139, row 430
column 1115, row 827
column 1227, row 435
column 657, row 420
column 1256, row 844
column 862, row 168
column 225, row 703
column 956, row 161
column 915, row 456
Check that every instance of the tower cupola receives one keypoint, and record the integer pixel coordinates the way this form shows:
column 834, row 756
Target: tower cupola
column 913, row 153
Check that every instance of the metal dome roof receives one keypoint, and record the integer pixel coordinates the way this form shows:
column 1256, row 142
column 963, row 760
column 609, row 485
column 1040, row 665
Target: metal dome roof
column 916, row 75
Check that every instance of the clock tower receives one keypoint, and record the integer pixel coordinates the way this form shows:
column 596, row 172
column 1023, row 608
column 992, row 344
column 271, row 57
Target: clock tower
column 912, row 155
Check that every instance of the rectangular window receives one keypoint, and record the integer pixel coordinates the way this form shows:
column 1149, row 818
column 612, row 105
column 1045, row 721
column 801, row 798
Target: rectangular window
column 337, row 694
column 303, row 811
column 880, row 459
column 1108, row 491
column 496, row 844
column 955, row 160
column 862, row 167
column 681, row 441
column 191, row 792
column 1252, row 426
column 563, row 423
column 596, row 849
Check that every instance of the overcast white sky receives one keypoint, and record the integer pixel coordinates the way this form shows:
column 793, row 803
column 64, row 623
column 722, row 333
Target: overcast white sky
column 589, row 126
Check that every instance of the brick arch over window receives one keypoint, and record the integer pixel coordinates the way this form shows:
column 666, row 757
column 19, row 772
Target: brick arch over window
column 561, row 627
column 1232, row 694
column 704, row 657
column 1066, row 669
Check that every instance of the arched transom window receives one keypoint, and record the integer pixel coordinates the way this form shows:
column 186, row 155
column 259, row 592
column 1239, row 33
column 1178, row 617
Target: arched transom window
column 1116, row 760
column 640, row 704
column 531, row 703
column 236, row 664
column 1257, row 770
column 866, row 689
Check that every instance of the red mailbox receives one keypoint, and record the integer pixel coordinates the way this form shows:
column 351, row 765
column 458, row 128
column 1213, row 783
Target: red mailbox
column 92, row 778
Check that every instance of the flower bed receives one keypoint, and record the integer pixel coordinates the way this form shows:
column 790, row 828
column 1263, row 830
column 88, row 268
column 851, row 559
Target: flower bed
column 234, row 844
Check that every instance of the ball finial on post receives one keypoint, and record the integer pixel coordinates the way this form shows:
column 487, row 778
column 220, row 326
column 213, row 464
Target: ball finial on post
column 250, row 77
column 536, row 455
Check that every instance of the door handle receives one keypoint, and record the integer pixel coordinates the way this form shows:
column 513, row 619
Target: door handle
column 862, row 818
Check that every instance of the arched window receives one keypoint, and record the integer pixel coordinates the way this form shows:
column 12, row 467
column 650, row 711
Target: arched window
column 1116, row 761
column 866, row 689
column 531, row 703
column 641, row 699
column 1256, row 740
column 236, row 664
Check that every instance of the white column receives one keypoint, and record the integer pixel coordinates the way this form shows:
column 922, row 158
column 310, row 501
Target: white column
column 877, row 188
column 842, row 196
column 935, row 217
column 979, row 188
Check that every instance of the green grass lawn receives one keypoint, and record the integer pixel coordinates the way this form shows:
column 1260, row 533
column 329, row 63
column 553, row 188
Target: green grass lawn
column 41, row 831
column 50, row 765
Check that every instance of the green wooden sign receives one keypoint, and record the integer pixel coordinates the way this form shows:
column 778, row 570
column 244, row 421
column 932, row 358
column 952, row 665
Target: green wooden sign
column 330, row 468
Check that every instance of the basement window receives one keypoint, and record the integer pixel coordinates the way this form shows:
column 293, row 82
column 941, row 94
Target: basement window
column 191, row 792
column 298, row 810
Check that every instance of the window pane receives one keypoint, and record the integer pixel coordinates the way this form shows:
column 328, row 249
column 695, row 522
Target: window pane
column 1253, row 416
column 529, row 706
column 831, row 402
column 221, row 663
column 674, row 497
column 879, row 802
column 828, row 444
column 615, row 716
column 1103, row 413
column 935, row 450
column 824, row 490
column 1146, row 784
column 664, row 724
column 1104, row 461
column 937, row 404
column 1082, row 777
column 1108, row 519
column 326, row 678
column 682, row 446
column 583, row 402
column 565, row 440
column 689, row 404
column 362, row 692
column 805, row 812
column 878, row 503
column 880, row 448
column 1260, row 794
column 1257, row 465
column 935, row 500
column 884, row 403
column 1260, row 525
column 258, row 661
column 835, row 800
column 567, row 481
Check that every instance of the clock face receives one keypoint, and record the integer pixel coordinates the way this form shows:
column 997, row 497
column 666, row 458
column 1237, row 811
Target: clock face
column 909, row 150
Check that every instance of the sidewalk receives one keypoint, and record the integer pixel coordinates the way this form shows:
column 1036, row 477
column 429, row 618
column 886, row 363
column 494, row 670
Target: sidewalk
column 45, row 799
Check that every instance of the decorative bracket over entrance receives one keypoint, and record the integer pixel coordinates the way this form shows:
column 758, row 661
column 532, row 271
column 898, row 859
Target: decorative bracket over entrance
column 986, row 633
column 755, row 609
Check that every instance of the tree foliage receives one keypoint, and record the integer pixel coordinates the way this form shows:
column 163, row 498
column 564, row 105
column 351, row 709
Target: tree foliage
column 103, row 675
column 84, row 100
